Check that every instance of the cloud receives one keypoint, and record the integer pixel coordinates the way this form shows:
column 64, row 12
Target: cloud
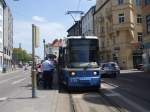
column 38, row 19
column 48, row 31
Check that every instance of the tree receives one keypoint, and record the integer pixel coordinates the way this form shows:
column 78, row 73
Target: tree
column 20, row 55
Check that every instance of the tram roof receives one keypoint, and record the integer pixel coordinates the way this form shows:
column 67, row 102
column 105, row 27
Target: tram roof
column 79, row 37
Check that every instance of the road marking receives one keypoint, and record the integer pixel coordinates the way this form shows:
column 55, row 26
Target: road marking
column 128, row 101
column 133, row 104
column 6, row 80
column 18, row 81
column 111, row 84
column 3, row 99
column 112, row 94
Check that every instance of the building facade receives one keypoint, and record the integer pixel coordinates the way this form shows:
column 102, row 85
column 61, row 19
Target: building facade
column 53, row 48
column 8, row 38
column 76, row 29
column 118, row 24
column 146, row 31
column 87, row 22
column 2, row 7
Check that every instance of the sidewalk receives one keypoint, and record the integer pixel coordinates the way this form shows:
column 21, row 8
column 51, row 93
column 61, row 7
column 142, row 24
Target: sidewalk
column 46, row 101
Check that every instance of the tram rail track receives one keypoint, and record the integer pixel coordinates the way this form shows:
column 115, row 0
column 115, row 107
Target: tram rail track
column 72, row 103
column 130, row 93
column 114, row 107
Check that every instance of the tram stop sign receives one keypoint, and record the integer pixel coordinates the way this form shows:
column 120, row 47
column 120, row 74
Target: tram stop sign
column 37, row 36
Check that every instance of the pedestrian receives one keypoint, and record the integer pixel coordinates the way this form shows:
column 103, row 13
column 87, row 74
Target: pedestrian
column 25, row 67
column 47, row 68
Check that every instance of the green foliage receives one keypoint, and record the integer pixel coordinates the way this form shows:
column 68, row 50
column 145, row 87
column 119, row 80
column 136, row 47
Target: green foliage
column 21, row 55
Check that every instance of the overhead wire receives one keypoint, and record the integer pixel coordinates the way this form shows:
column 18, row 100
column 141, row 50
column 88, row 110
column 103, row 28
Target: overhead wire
column 78, row 5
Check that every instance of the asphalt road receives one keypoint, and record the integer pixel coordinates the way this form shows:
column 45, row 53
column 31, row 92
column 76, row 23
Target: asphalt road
column 129, row 92
column 132, row 90
column 10, row 84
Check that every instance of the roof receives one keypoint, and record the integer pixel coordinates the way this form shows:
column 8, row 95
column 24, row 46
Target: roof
column 93, row 8
column 57, row 43
column 79, row 37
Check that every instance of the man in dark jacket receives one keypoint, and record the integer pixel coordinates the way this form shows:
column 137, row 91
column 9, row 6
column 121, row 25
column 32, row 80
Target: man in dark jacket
column 47, row 68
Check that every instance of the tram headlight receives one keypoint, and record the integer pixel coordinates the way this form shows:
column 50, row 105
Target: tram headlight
column 95, row 73
column 73, row 73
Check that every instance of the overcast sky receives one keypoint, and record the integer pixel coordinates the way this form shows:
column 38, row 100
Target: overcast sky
column 49, row 15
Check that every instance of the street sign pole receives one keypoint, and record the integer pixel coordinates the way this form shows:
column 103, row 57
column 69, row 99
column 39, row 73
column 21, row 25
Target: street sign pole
column 33, row 60
column 35, row 44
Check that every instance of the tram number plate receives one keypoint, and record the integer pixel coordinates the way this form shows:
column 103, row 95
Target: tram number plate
column 84, row 80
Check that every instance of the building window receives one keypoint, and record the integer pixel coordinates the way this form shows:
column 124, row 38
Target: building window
column 147, row 2
column 148, row 23
column 140, row 37
column 138, row 2
column 139, row 18
column 121, row 18
column 120, row 2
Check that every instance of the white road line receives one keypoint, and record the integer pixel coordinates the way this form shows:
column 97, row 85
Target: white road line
column 3, row 99
column 6, row 80
column 116, row 86
column 133, row 104
column 128, row 101
column 18, row 81
column 112, row 94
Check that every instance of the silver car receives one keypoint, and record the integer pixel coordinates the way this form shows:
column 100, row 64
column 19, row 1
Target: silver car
column 110, row 69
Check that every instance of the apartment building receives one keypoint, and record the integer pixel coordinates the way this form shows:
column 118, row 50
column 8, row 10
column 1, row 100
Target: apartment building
column 2, row 7
column 87, row 22
column 118, row 24
column 53, row 48
column 146, row 33
column 8, row 38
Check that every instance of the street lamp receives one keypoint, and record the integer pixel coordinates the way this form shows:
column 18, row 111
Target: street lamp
column 44, row 46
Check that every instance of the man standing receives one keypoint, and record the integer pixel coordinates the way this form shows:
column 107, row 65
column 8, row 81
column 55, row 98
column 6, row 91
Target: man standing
column 47, row 68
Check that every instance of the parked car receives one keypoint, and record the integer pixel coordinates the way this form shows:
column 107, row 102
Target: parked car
column 110, row 69
column 140, row 67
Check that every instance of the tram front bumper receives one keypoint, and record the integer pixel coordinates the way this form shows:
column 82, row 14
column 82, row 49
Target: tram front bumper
column 84, row 82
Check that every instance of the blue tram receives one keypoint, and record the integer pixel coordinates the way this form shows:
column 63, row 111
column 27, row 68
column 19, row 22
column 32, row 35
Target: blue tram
column 78, row 62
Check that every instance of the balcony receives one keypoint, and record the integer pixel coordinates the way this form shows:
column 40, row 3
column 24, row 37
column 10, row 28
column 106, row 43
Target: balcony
column 124, row 6
column 124, row 26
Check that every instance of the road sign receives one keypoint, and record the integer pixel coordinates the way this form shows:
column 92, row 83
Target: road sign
column 37, row 38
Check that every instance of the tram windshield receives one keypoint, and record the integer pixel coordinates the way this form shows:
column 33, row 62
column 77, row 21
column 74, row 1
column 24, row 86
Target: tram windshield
column 83, row 53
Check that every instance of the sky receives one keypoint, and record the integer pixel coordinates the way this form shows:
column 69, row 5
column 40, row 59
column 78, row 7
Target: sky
column 48, row 15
